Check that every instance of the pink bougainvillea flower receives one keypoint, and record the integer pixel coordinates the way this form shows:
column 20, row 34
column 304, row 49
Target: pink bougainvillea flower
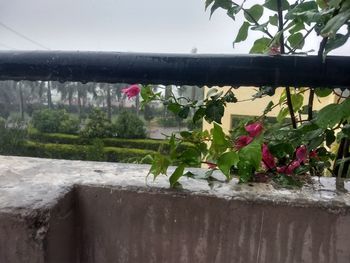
column 242, row 141
column 268, row 160
column 301, row 153
column 211, row 165
column 288, row 169
column 274, row 50
column 254, row 129
column 132, row 91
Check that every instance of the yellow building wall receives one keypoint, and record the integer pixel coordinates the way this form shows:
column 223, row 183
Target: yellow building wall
column 257, row 106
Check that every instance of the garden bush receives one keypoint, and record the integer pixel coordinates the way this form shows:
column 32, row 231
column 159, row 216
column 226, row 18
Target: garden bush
column 53, row 121
column 80, row 152
column 98, row 125
column 11, row 138
column 128, row 125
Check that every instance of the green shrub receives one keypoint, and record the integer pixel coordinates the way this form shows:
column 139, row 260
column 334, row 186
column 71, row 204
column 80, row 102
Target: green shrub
column 114, row 154
column 11, row 138
column 60, row 138
column 80, row 152
column 98, row 125
column 170, row 121
column 52, row 150
column 147, row 144
column 128, row 125
column 2, row 123
column 53, row 121
column 95, row 151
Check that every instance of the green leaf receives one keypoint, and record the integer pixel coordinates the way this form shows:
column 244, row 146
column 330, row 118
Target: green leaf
column 245, row 171
column 260, row 46
column 296, row 40
column 273, row 20
column 174, row 107
column 159, row 166
column 272, row 4
column 176, row 175
column 335, row 23
column 327, row 116
column 281, row 150
column 330, row 137
column 232, row 11
column 337, row 41
column 254, row 13
column 251, row 154
column 226, row 161
column 333, row 114
column 190, row 157
column 322, row 3
column 282, row 115
column 268, row 107
column 214, row 111
column 323, row 92
column 199, row 114
column 297, row 101
column 219, row 137
column 242, row 33
column 208, row 3
column 297, row 27
column 230, row 97
column 219, row 143
column 183, row 113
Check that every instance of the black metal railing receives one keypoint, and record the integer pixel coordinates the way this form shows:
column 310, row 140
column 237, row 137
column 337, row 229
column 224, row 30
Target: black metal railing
column 194, row 69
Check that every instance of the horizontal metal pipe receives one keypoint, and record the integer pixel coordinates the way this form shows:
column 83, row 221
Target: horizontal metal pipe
column 177, row 69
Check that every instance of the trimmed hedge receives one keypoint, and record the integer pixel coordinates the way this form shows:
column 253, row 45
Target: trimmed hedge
column 79, row 152
column 60, row 138
column 146, row 144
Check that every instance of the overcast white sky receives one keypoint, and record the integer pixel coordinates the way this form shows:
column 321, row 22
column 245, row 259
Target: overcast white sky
column 174, row 26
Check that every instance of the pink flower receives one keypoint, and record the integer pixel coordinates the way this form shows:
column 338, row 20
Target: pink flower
column 274, row 50
column 242, row 141
column 301, row 153
column 288, row 169
column 267, row 157
column 132, row 91
column 211, row 165
column 254, row 129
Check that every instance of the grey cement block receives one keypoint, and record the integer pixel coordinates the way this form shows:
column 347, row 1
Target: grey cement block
column 73, row 211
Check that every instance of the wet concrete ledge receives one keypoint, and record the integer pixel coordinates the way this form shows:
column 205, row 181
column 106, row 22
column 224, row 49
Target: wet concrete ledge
column 74, row 211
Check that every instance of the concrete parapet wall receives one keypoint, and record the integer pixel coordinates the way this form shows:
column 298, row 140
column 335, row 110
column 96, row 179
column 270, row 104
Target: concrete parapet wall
column 68, row 211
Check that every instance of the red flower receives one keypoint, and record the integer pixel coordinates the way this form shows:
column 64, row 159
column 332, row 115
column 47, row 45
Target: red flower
column 301, row 153
column 267, row 157
column 211, row 165
column 242, row 141
column 132, row 91
column 274, row 50
column 289, row 169
column 314, row 155
column 254, row 129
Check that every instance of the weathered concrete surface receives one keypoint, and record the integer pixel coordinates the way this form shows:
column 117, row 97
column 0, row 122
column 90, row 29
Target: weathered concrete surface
column 73, row 211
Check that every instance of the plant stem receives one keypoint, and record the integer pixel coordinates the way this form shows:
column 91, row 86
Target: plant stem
column 280, row 29
column 310, row 104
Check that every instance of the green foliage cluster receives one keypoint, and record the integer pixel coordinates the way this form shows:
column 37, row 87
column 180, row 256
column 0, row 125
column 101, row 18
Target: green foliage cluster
column 11, row 137
column 98, row 126
column 94, row 152
column 300, row 18
column 53, row 121
column 128, row 125
column 256, row 150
